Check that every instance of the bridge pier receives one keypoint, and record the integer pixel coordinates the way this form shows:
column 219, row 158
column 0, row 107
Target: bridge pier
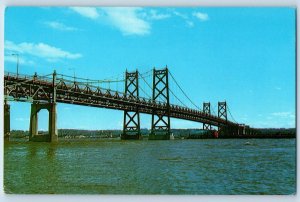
column 241, row 130
column 6, row 119
column 206, row 110
column 52, row 127
column 247, row 130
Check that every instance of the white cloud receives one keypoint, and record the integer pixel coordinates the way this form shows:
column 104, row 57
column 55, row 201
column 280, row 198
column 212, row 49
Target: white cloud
column 283, row 114
column 274, row 124
column 22, row 60
column 60, row 26
column 133, row 20
column 153, row 15
column 87, row 12
column 189, row 23
column 127, row 20
column 187, row 18
column 41, row 50
column 201, row 16
column 180, row 15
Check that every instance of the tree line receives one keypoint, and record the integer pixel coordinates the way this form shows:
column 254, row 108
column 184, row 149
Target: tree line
column 179, row 133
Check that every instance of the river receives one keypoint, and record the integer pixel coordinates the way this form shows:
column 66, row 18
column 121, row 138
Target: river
column 206, row 166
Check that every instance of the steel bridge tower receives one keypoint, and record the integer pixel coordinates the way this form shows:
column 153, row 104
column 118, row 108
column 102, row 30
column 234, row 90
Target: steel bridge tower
column 222, row 114
column 222, row 110
column 160, row 127
column 131, row 125
column 206, row 110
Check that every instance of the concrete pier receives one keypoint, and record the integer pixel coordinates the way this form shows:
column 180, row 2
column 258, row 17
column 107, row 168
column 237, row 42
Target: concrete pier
column 131, row 137
column 52, row 126
column 154, row 136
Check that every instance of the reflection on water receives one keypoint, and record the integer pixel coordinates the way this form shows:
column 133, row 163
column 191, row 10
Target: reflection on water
column 233, row 166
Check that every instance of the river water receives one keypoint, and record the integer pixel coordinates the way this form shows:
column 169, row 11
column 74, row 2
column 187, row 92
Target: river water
column 206, row 166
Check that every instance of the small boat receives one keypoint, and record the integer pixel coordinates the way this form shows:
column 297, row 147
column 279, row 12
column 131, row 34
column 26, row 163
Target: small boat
column 247, row 143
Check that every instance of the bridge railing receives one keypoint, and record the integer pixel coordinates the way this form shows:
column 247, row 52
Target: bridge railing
column 27, row 77
column 93, row 88
column 20, row 76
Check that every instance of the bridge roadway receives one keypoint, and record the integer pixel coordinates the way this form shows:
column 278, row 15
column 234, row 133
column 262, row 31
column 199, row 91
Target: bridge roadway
column 44, row 88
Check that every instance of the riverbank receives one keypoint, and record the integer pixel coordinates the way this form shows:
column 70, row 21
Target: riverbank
column 178, row 134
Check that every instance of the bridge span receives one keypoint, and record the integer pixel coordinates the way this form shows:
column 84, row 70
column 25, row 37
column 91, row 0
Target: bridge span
column 44, row 92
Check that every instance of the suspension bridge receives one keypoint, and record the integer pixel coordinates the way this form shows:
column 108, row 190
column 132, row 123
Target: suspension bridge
column 137, row 96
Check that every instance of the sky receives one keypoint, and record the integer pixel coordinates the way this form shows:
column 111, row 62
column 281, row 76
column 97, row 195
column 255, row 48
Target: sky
column 244, row 56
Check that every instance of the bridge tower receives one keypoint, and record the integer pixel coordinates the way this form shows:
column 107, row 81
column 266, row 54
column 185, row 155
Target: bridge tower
column 222, row 113
column 222, row 110
column 50, row 106
column 131, row 125
column 160, row 127
column 6, row 120
column 206, row 110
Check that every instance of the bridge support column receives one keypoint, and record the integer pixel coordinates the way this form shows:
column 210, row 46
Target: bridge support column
column 160, row 127
column 222, row 113
column 247, row 130
column 206, row 110
column 131, row 125
column 241, row 130
column 6, row 120
column 52, row 127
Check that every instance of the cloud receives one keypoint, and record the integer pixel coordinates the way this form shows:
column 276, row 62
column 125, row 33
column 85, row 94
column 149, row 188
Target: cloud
column 133, row 20
column 60, row 26
column 201, row 16
column 283, row 114
column 41, row 50
column 187, row 18
column 275, row 124
column 189, row 23
column 127, row 20
column 153, row 15
column 22, row 60
column 180, row 15
column 87, row 12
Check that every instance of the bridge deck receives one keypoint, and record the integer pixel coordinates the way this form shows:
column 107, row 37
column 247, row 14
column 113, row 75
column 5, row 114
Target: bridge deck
column 33, row 88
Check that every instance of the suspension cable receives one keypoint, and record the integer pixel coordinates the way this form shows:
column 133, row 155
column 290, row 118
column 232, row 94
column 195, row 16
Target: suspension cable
column 113, row 80
column 231, row 115
column 144, row 92
column 177, row 97
column 214, row 112
column 141, row 75
column 183, row 91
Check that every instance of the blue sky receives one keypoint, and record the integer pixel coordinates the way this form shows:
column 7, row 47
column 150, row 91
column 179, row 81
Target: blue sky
column 245, row 56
